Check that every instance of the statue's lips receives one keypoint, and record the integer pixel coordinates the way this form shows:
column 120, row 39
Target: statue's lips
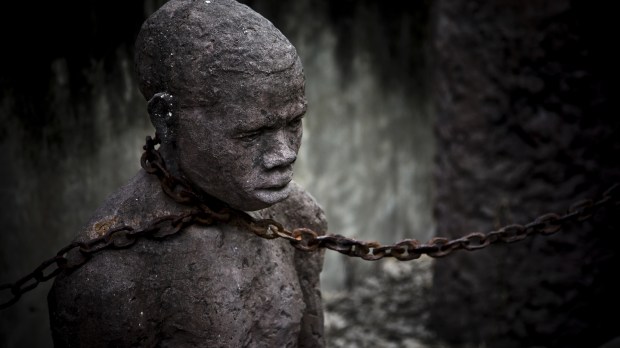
column 276, row 184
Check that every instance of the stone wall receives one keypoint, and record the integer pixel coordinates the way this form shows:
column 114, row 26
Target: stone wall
column 525, row 125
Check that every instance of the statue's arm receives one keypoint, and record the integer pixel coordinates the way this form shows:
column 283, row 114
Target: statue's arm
column 95, row 305
column 309, row 266
column 90, row 306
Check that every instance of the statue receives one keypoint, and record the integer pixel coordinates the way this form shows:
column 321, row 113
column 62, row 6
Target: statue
column 225, row 92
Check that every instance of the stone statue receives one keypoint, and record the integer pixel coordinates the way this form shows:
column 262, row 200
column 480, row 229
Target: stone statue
column 225, row 93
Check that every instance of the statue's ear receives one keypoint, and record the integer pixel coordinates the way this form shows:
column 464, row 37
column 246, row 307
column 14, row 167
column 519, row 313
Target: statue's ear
column 161, row 110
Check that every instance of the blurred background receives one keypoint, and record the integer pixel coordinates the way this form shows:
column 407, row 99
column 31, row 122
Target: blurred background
column 425, row 118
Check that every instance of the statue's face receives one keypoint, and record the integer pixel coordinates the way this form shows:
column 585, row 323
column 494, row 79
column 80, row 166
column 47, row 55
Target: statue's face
column 242, row 150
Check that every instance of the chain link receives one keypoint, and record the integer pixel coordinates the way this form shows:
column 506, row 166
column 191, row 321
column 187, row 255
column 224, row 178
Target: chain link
column 208, row 210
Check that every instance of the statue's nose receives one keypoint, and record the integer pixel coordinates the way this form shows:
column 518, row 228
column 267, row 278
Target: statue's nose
column 281, row 152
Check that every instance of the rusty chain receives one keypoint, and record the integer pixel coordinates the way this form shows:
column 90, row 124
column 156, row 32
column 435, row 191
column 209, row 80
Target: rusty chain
column 208, row 210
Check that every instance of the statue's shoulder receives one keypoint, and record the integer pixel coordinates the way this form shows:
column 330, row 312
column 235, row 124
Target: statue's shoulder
column 300, row 209
column 134, row 204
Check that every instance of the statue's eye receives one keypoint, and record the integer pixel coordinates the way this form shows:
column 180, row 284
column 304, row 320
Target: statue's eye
column 295, row 123
column 249, row 136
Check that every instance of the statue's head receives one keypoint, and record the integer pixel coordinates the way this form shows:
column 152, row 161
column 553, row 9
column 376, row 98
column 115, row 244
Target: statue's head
column 225, row 91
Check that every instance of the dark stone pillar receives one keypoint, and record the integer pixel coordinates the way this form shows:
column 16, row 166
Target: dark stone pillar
column 525, row 126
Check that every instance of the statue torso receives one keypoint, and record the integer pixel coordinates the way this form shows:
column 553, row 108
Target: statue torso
column 207, row 286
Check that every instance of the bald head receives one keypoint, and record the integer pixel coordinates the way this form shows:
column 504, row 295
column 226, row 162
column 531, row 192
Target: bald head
column 196, row 50
column 226, row 97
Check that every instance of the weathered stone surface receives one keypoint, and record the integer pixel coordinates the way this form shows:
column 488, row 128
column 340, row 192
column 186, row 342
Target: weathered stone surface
column 187, row 44
column 388, row 309
column 206, row 287
column 525, row 126
column 215, row 286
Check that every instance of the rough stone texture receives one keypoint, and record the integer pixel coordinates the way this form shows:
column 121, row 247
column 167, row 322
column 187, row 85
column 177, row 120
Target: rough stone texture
column 231, row 112
column 525, row 126
column 205, row 287
column 388, row 309
column 190, row 43
column 216, row 286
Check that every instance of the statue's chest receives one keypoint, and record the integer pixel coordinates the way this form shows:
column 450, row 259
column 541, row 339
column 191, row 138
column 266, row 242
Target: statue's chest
column 219, row 283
